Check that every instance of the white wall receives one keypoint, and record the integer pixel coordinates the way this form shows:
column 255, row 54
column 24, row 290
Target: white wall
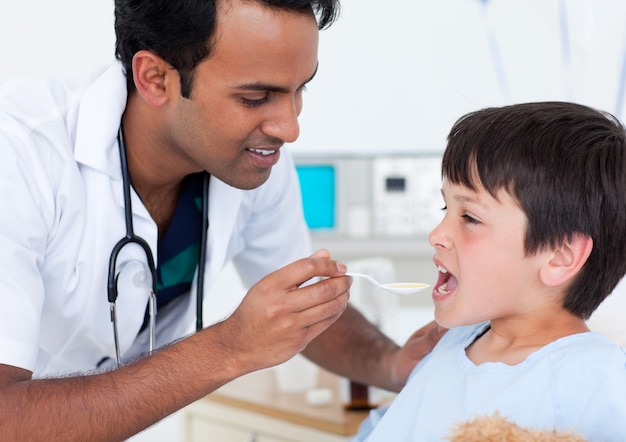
column 40, row 37
column 395, row 75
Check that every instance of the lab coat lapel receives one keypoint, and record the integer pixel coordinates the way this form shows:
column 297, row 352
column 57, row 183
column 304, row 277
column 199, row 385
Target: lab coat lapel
column 224, row 204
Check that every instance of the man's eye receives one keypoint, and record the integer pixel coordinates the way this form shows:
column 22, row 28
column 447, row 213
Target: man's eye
column 254, row 103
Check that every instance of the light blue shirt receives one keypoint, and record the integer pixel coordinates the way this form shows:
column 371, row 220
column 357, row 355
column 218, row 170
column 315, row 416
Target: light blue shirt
column 576, row 383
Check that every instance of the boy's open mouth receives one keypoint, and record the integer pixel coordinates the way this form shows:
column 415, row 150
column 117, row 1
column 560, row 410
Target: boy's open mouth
column 446, row 282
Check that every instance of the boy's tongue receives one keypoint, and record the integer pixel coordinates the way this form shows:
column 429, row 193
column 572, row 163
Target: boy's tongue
column 447, row 283
column 451, row 283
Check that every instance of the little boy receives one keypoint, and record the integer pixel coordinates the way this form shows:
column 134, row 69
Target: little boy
column 533, row 239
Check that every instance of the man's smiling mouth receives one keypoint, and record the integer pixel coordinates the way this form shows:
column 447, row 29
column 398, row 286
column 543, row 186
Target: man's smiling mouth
column 263, row 151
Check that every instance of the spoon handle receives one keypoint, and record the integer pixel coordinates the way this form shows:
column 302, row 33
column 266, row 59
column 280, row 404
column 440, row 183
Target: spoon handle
column 368, row 277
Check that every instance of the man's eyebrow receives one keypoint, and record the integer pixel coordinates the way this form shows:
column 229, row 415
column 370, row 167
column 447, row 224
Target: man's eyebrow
column 264, row 87
column 270, row 87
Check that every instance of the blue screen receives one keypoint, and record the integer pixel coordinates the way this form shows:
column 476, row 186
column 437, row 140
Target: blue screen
column 317, row 183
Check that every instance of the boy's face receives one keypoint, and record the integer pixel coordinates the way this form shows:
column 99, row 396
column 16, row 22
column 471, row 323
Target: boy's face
column 484, row 273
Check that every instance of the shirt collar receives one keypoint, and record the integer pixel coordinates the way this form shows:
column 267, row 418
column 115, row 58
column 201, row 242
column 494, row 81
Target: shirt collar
column 99, row 117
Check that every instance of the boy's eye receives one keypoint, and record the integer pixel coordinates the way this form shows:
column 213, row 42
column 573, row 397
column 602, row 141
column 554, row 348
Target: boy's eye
column 466, row 216
column 469, row 219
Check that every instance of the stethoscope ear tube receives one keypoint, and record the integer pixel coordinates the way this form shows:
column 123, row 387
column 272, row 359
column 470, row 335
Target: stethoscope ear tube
column 202, row 258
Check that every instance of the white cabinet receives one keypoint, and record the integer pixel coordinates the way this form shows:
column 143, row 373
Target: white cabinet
column 251, row 409
column 207, row 421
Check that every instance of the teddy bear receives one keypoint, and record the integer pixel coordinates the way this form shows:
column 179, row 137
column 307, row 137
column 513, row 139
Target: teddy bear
column 495, row 428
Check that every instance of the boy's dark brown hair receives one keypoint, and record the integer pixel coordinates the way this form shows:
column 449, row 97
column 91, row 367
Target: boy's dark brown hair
column 565, row 164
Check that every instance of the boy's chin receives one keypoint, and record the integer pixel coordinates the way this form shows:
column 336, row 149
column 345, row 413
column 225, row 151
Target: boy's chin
column 450, row 321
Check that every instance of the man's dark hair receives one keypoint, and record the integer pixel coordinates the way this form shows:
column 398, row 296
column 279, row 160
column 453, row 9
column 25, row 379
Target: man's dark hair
column 181, row 31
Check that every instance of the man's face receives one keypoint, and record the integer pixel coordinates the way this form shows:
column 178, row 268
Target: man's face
column 247, row 95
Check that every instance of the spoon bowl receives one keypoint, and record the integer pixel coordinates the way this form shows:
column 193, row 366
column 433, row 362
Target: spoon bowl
column 400, row 288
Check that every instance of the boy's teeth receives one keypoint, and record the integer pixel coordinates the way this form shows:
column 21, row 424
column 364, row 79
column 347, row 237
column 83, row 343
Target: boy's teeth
column 443, row 289
column 441, row 269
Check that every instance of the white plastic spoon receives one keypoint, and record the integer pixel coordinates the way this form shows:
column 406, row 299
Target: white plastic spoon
column 400, row 288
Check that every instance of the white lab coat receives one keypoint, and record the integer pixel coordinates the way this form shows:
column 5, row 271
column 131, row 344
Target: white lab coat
column 62, row 212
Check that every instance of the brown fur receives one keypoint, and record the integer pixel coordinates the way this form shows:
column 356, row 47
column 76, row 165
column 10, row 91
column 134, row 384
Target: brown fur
column 496, row 428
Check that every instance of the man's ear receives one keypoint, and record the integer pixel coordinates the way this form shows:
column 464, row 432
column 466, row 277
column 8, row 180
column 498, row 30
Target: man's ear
column 566, row 261
column 154, row 78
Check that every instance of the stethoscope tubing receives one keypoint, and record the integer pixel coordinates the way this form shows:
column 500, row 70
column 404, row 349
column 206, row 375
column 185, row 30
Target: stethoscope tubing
column 132, row 238
column 203, row 252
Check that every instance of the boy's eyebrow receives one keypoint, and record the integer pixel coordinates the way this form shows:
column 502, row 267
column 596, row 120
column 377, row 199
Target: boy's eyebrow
column 270, row 87
column 465, row 199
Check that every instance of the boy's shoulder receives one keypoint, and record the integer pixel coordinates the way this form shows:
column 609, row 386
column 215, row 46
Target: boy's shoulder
column 585, row 348
column 589, row 369
column 587, row 353
column 590, row 365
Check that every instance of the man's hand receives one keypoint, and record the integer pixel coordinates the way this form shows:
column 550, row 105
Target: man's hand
column 279, row 317
column 416, row 347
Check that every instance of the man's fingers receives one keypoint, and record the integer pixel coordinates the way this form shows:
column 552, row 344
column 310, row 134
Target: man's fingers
column 288, row 315
column 322, row 293
column 322, row 253
column 305, row 269
column 319, row 327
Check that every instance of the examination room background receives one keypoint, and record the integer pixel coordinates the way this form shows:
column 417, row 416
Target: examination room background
column 393, row 76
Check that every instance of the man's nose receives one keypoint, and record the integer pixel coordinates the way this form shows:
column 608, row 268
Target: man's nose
column 283, row 123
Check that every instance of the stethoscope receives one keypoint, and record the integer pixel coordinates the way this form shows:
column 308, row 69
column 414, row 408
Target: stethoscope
column 131, row 237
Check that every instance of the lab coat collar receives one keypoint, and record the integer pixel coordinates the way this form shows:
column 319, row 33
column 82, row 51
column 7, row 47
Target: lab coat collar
column 99, row 117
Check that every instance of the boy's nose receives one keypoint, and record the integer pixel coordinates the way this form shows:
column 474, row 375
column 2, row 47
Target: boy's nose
column 437, row 237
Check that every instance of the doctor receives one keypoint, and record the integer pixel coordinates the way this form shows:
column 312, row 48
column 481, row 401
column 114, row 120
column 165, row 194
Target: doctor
column 191, row 121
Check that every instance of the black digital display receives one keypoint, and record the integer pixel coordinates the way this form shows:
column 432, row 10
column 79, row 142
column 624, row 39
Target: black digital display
column 395, row 184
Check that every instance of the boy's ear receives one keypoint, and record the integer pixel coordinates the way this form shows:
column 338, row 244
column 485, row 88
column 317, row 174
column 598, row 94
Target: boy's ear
column 566, row 261
column 154, row 78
